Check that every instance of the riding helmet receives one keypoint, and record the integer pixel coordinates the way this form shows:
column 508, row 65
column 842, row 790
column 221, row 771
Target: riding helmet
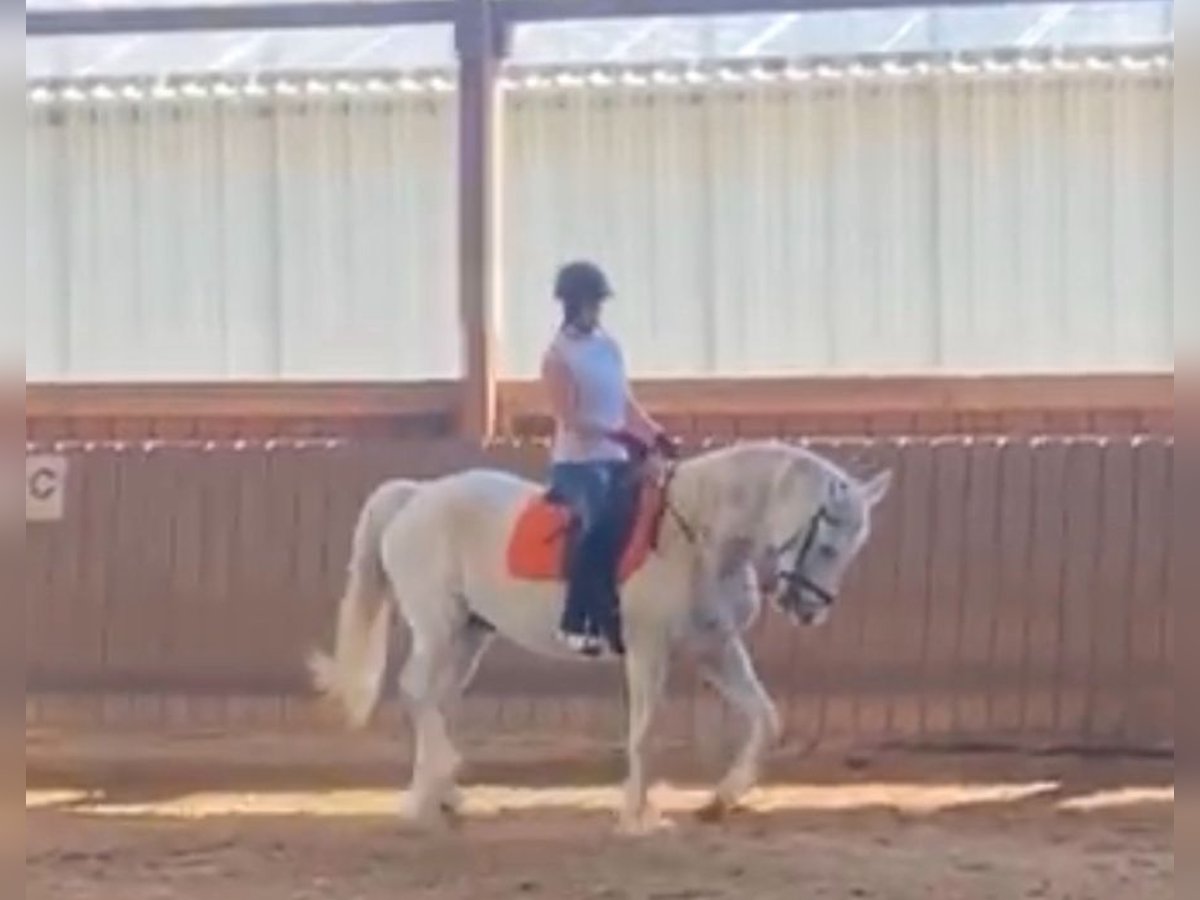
column 581, row 282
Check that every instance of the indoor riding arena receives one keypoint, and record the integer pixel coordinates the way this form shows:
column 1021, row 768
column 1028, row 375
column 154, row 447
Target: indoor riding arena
column 280, row 252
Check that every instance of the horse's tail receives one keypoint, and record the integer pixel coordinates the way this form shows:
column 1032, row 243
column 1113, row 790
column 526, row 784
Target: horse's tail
column 353, row 675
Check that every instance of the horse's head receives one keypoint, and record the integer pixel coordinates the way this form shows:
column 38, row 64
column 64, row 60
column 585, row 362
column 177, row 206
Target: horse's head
column 818, row 519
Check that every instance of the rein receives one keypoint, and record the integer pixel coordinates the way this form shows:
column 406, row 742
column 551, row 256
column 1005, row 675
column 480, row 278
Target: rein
column 689, row 531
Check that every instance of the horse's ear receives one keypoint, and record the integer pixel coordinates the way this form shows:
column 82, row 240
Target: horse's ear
column 877, row 488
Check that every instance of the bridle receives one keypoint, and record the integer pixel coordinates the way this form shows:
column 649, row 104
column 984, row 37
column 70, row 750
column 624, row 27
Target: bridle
column 794, row 578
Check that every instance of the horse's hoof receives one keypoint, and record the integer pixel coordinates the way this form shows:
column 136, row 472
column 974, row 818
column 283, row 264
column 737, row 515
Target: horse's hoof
column 433, row 823
column 452, row 815
column 714, row 811
column 453, row 800
column 644, row 825
column 433, row 818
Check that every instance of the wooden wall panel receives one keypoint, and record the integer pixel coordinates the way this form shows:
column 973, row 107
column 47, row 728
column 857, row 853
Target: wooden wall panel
column 1015, row 590
column 698, row 409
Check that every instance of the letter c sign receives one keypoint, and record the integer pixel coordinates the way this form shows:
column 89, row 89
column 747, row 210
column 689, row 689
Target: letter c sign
column 45, row 487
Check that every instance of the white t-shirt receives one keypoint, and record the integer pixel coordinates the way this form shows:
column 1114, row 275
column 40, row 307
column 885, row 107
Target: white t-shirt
column 601, row 387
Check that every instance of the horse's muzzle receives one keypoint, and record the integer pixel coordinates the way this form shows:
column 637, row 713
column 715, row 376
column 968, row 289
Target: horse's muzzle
column 804, row 604
column 812, row 618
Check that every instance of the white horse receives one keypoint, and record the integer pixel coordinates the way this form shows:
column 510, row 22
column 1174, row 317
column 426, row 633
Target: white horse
column 754, row 519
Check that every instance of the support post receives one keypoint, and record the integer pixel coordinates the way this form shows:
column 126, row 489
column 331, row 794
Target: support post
column 481, row 40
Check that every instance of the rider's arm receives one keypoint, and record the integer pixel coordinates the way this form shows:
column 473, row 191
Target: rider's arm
column 642, row 426
column 640, row 422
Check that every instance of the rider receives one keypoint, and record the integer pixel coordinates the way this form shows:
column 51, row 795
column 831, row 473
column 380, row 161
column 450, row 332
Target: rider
column 599, row 426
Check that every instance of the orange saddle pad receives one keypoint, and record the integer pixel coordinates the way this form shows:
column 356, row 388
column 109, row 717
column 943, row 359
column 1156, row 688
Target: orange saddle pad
column 537, row 546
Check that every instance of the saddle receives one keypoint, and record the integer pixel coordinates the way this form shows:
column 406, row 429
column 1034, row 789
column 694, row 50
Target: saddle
column 540, row 539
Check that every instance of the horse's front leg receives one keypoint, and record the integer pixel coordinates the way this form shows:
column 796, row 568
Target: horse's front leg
column 646, row 674
column 728, row 667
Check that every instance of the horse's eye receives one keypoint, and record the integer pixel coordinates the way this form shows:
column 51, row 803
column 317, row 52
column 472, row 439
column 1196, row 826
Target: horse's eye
column 827, row 551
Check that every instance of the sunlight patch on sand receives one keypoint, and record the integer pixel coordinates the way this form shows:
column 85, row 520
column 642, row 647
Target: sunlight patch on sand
column 490, row 800
column 1120, row 798
column 50, row 799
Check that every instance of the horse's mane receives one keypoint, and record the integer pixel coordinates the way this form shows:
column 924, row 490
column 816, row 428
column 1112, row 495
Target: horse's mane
column 774, row 448
column 715, row 476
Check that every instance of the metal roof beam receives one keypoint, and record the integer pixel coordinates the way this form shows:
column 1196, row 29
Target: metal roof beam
column 236, row 17
column 566, row 10
column 251, row 16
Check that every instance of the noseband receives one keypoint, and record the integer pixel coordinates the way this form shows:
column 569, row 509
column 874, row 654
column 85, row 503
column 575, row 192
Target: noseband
column 795, row 577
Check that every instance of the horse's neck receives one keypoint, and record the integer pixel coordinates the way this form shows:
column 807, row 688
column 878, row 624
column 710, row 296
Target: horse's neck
column 720, row 500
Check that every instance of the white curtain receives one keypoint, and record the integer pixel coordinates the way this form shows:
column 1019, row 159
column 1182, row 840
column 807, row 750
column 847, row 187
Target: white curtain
column 961, row 222
column 834, row 222
column 243, row 237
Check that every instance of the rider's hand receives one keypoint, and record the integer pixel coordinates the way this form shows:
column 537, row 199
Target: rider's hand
column 666, row 446
column 634, row 446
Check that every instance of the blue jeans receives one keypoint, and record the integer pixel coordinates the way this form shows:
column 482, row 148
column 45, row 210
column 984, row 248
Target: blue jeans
column 596, row 493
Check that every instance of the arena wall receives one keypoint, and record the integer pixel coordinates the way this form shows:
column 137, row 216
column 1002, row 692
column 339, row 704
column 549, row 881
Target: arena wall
column 1017, row 591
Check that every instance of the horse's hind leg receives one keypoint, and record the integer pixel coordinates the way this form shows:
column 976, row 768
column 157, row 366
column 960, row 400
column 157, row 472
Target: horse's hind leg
column 470, row 645
column 434, row 677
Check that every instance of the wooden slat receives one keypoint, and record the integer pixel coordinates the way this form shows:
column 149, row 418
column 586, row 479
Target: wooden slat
column 1012, row 564
column 1081, row 590
column 1111, row 673
column 1047, row 560
column 916, row 501
column 137, row 632
column 978, row 610
column 871, row 588
column 1151, row 599
column 192, row 622
column 944, row 612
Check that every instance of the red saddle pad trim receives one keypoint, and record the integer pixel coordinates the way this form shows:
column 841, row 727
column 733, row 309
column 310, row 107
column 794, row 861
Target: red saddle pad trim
column 537, row 543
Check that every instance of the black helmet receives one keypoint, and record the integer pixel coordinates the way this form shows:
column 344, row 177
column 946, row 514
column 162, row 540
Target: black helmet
column 581, row 282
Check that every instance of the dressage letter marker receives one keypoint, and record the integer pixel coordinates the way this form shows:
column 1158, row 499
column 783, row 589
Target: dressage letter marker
column 45, row 486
